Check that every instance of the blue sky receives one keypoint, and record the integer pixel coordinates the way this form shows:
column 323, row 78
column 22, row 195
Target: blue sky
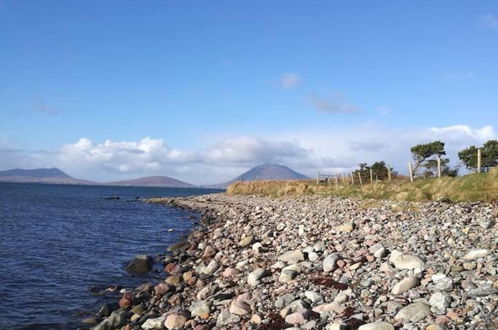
column 219, row 86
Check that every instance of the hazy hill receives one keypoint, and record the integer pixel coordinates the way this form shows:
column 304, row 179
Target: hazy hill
column 265, row 172
column 152, row 181
column 40, row 175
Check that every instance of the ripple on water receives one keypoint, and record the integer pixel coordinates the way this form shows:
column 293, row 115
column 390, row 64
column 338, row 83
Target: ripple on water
column 59, row 241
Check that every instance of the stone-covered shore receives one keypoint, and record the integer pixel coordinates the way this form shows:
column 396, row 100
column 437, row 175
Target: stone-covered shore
column 313, row 262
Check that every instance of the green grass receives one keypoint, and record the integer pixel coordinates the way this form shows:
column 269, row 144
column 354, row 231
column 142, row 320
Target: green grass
column 472, row 187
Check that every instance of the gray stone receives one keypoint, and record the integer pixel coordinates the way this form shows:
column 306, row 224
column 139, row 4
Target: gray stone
column 226, row 318
column 313, row 296
column 255, row 276
column 313, row 256
column 440, row 302
column 330, row 262
column 201, row 309
column 289, row 273
column 155, row 323
column 116, row 320
column 292, row 257
column 413, row 312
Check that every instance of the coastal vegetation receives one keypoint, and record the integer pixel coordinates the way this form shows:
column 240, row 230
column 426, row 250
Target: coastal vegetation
column 471, row 187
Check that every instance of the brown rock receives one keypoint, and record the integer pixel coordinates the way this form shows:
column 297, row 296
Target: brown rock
column 161, row 289
column 175, row 321
column 125, row 300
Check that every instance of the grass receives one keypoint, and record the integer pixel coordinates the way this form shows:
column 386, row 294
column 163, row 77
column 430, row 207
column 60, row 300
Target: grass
column 471, row 187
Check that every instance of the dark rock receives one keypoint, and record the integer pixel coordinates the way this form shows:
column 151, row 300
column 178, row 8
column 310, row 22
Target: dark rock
column 140, row 264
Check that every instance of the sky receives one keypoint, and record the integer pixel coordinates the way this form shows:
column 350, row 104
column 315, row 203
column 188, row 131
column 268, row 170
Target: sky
column 204, row 90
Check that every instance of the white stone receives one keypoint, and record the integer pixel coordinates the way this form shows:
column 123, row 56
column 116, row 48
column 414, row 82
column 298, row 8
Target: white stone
column 405, row 284
column 377, row 326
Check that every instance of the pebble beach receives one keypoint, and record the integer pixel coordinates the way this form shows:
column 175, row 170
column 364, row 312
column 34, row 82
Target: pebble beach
column 312, row 262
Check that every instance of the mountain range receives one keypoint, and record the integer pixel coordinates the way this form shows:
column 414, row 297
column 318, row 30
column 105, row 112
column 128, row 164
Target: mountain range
column 56, row 176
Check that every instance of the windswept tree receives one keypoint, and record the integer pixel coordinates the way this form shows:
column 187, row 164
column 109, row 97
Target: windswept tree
column 426, row 154
column 379, row 171
column 489, row 154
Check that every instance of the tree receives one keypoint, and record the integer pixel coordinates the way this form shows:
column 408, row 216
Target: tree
column 446, row 170
column 422, row 153
column 379, row 170
column 468, row 157
column 489, row 154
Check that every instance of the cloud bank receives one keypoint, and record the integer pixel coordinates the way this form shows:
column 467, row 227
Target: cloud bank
column 331, row 152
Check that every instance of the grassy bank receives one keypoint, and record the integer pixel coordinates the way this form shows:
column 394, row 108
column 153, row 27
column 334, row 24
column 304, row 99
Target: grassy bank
column 472, row 187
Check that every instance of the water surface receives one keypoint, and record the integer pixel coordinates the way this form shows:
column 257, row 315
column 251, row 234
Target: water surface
column 59, row 242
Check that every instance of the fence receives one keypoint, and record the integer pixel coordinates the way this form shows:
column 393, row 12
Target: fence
column 412, row 173
column 356, row 177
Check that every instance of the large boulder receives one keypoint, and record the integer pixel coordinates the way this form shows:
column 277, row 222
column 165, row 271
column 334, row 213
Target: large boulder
column 140, row 264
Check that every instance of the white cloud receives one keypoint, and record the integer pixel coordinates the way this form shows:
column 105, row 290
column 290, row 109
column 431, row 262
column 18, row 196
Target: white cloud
column 248, row 150
column 490, row 21
column 290, row 80
column 331, row 151
column 332, row 105
column 122, row 156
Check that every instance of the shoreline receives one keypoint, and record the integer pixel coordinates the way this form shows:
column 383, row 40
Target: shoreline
column 310, row 262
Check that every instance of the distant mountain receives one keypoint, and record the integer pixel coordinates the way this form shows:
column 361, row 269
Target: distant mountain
column 152, row 181
column 40, row 175
column 265, row 172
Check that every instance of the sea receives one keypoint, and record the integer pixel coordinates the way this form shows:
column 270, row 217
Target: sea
column 61, row 246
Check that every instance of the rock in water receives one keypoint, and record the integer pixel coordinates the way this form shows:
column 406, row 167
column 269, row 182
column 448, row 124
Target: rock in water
column 413, row 312
column 140, row 264
column 116, row 320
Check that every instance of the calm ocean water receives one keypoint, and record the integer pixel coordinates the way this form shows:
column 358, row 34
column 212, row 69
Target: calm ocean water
column 60, row 242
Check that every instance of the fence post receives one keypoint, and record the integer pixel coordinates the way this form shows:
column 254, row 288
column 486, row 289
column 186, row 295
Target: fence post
column 352, row 178
column 371, row 177
column 438, row 166
column 410, row 171
column 317, row 177
column 336, row 181
column 479, row 155
column 359, row 177
column 389, row 173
